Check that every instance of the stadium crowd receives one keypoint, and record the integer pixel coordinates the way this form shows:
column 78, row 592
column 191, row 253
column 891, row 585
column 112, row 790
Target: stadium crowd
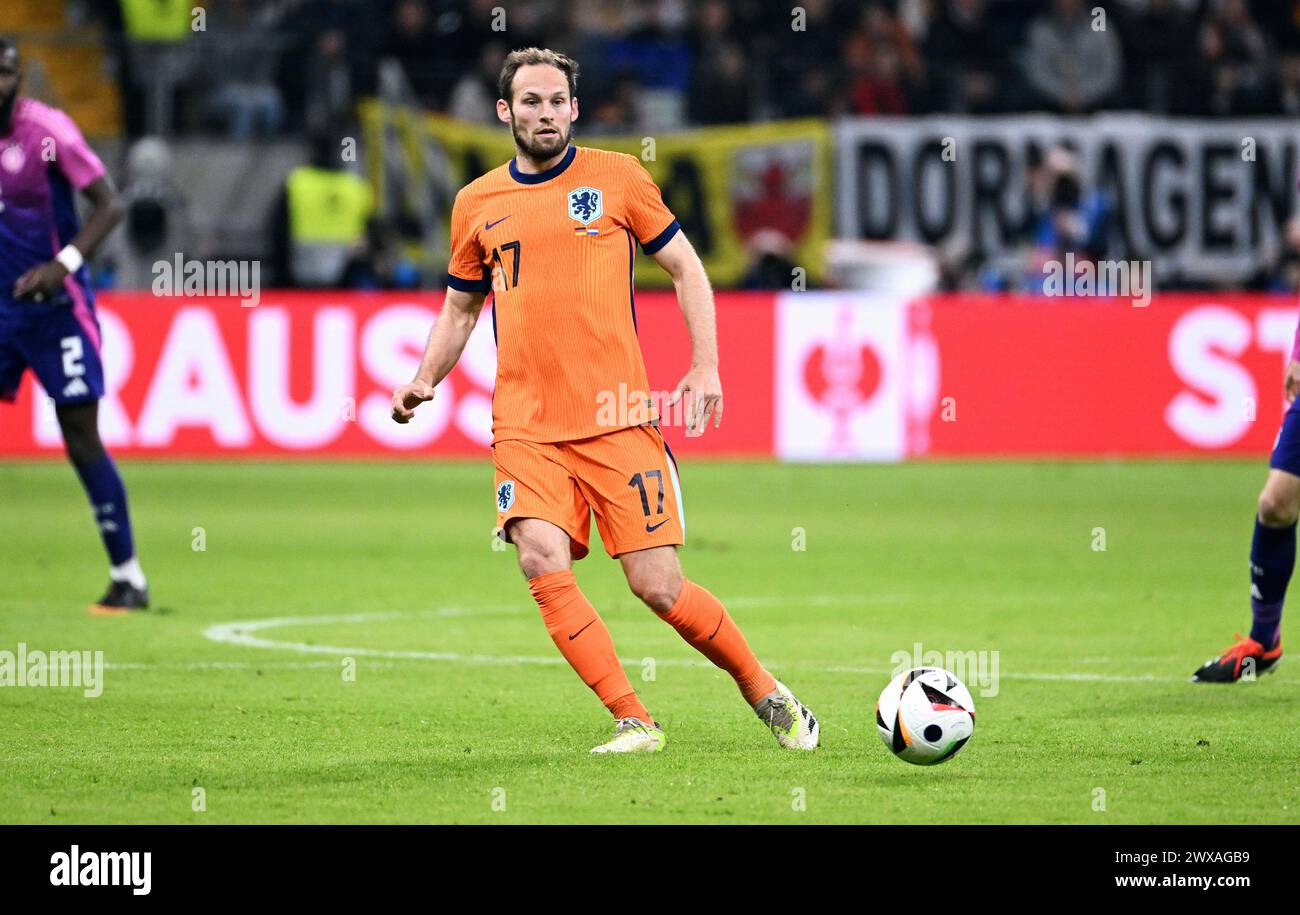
column 264, row 66
column 262, row 69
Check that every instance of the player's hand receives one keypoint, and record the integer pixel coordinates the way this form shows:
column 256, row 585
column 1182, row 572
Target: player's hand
column 1292, row 383
column 408, row 397
column 705, row 390
column 41, row 282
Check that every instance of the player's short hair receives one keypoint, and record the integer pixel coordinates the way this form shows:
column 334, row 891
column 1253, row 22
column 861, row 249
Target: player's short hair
column 526, row 56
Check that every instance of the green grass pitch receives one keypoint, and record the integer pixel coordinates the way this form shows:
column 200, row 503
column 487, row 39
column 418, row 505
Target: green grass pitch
column 461, row 709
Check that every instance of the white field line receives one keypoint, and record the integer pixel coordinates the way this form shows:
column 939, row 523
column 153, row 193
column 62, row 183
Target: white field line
column 243, row 633
column 227, row 665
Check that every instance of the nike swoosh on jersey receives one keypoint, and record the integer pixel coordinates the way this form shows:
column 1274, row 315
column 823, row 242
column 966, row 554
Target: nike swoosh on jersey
column 489, row 226
column 651, row 529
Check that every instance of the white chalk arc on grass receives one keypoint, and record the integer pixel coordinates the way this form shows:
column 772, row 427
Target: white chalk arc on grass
column 244, row 633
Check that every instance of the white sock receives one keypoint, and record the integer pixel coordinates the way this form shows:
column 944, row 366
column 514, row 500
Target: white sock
column 129, row 572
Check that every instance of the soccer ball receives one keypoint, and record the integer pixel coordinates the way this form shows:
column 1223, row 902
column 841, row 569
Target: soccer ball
column 925, row 716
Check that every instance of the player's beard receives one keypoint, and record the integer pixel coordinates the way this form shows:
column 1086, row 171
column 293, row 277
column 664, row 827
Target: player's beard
column 542, row 149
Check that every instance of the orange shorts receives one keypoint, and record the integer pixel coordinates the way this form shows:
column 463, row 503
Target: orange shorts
column 627, row 477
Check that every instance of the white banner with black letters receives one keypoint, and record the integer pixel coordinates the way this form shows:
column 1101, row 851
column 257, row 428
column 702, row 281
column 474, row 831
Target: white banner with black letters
column 1204, row 200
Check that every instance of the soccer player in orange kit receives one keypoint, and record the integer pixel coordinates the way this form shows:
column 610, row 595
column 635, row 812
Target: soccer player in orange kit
column 551, row 235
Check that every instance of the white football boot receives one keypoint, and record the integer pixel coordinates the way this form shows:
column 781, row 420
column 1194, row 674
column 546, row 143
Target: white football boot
column 632, row 735
column 793, row 726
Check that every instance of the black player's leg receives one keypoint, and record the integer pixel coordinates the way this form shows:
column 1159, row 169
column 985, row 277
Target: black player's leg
column 99, row 476
column 1279, row 500
column 1272, row 560
column 1272, row 554
column 79, row 424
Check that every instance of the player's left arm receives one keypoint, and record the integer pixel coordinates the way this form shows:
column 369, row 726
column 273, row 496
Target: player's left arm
column 695, row 296
column 44, row 280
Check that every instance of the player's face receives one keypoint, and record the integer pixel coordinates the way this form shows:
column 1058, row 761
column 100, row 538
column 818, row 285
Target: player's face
column 10, row 76
column 542, row 114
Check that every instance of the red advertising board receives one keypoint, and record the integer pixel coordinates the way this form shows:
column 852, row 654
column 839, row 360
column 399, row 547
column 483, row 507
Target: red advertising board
column 1187, row 374
column 807, row 376
column 307, row 374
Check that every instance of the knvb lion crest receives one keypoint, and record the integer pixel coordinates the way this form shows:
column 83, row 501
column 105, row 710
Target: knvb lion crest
column 505, row 495
column 586, row 204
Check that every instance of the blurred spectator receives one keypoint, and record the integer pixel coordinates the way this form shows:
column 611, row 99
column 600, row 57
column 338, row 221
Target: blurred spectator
column 651, row 48
column 1236, row 56
column 770, row 266
column 1162, row 75
column 889, row 37
column 1075, row 221
column 655, row 56
column 157, row 21
column 1287, row 99
column 1280, row 21
column 806, row 63
column 240, row 49
column 814, row 95
column 1284, row 276
column 969, row 58
column 1039, row 179
column 474, row 96
column 410, row 43
column 320, row 222
column 329, row 96
column 156, row 223
column 1072, row 67
column 874, row 84
column 720, row 87
column 155, row 50
column 329, row 61
column 381, row 264
column 618, row 111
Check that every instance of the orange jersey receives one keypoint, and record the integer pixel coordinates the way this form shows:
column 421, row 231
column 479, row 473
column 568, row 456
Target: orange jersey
column 556, row 251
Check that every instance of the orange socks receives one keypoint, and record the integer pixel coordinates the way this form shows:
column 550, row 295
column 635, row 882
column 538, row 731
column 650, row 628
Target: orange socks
column 580, row 634
column 699, row 618
column 702, row 621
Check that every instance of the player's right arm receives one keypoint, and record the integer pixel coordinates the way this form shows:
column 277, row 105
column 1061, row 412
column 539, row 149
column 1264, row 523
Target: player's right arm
column 447, row 340
column 468, row 283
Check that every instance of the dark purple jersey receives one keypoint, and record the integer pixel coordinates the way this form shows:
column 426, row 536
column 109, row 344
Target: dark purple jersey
column 44, row 162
